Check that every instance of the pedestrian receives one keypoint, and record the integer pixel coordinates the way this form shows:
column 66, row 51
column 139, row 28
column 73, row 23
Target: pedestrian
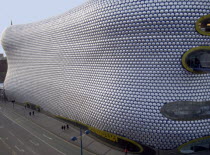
column 33, row 112
column 126, row 151
column 25, row 106
column 64, row 127
column 30, row 113
column 67, row 126
column 13, row 102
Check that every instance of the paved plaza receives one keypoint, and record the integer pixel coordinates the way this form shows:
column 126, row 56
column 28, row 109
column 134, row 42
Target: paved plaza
column 40, row 134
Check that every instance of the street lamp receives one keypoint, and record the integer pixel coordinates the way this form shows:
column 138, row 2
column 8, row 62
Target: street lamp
column 75, row 138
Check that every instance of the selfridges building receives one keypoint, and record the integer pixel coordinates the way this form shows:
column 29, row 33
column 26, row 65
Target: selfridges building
column 136, row 69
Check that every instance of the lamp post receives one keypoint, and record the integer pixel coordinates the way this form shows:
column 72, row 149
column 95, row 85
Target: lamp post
column 75, row 138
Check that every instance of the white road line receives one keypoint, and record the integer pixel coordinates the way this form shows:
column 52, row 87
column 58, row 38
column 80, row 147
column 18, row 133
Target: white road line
column 20, row 141
column 36, row 144
column 47, row 136
column 72, row 145
column 35, row 136
column 21, row 150
column 11, row 133
column 45, row 129
column 5, row 143
column 33, row 152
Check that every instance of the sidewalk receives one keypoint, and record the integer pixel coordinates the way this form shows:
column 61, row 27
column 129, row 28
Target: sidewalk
column 54, row 125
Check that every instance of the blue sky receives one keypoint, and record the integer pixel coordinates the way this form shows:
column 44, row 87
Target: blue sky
column 27, row 11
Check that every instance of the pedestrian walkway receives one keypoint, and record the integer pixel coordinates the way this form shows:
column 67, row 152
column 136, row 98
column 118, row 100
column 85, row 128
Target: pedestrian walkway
column 54, row 126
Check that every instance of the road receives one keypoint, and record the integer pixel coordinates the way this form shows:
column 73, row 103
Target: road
column 20, row 136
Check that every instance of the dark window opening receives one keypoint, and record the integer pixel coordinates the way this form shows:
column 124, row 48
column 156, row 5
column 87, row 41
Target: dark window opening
column 200, row 145
column 204, row 25
column 199, row 60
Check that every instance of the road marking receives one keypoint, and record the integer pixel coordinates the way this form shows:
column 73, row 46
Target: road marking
column 37, row 144
column 11, row 133
column 21, row 150
column 34, row 135
column 20, row 141
column 13, row 152
column 47, row 130
column 47, row 136
column 28, row 120
column 33, row 152
column 39, row 126
column 5, row 143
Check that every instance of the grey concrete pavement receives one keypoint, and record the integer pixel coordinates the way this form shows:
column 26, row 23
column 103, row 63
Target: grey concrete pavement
column 5, row 149
column 47, row 127
column 20, row 136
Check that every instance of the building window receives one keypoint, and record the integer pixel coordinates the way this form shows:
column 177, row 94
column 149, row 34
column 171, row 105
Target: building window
column 203, row 25
column 197, row 145
column 197, row 60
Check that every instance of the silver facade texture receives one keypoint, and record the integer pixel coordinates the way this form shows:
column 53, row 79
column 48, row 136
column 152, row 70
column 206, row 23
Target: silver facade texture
column 113, row 64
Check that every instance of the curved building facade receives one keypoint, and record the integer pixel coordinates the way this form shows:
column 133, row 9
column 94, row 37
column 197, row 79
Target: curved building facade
column 114, row 64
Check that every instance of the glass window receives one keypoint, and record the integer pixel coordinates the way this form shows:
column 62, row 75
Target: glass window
column 198, row 145
column 197, row 60
column 203, row 25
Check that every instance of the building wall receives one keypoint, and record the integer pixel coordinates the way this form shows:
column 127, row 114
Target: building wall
column 113, row 65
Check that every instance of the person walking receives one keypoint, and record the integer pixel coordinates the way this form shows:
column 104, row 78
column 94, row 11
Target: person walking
column 30, row 113
column 126, row 151
column 67, row 126
column 33, row 113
